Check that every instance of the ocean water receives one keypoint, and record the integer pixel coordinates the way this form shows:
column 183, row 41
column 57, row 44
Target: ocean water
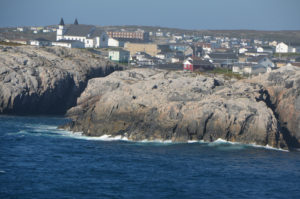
column 39, row 161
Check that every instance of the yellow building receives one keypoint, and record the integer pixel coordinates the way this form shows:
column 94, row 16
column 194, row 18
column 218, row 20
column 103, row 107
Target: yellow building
column 133, row 48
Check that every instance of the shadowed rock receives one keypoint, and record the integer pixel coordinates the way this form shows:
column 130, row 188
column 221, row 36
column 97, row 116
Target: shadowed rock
column 45, row 80
column 282, row 90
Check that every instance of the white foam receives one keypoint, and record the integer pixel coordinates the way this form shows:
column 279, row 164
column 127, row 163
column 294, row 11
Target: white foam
column 157, row 141
column 1, row 171
column 41, row 126
column 79, row 135
column 222, row 141
column 195, row 141
column 268, row 147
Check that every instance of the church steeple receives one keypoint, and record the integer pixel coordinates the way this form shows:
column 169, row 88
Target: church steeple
column 76, row 22
column 62, row 23
column 61, row 30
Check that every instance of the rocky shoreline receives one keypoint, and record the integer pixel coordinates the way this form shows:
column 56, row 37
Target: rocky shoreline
column 145, row 104
column 46, row 80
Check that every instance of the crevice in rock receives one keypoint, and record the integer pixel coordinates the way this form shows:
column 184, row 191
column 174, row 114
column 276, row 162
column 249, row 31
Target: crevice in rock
column 245, row 124
column 290, row 140
column 206, row 122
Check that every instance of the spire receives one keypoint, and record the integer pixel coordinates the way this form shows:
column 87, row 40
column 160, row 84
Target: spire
column 62, row 23
column 76, row 22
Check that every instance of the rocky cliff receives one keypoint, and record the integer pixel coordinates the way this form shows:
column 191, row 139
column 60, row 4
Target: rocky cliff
column 46, row 80
column 282, row 87
column 153, row 104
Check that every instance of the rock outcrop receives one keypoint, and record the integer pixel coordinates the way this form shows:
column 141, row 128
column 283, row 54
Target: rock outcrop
column 283, row 89
column 153, row 104
column 46, row 80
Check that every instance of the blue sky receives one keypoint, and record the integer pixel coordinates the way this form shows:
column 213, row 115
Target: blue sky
column 186, row 14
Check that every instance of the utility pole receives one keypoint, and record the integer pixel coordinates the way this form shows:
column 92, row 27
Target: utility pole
column 128, row 60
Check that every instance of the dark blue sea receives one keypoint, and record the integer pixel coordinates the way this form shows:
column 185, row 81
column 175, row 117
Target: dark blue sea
column 39, row 161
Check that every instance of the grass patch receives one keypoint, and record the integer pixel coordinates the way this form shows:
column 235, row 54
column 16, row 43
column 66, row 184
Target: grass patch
column 227, row 73
column 10, row 44
column 287, row 55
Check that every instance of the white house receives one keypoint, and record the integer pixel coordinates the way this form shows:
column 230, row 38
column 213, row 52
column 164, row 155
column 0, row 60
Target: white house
column 46, row 30
column 273, row 43
column 40, row 42
column 89, row 35
column 69, row 44
column 20, row 29
column 160, row 56
column 107, row 41
column 250, row 69
column 284, row 48
column 242, row 50
column 159, row 33
column 260, row 49
column 119, row 55
column 172, row 60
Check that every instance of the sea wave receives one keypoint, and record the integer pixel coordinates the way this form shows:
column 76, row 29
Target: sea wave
column 222, row 141
column 52, row 130
column 218, row 142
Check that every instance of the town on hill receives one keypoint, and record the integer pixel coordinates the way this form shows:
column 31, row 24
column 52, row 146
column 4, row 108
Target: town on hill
column 245, row 53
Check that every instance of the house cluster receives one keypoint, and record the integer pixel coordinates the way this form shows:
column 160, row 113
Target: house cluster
column 186, row 52
column 35, row 30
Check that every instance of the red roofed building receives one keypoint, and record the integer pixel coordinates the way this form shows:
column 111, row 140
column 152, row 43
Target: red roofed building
column 197, row 64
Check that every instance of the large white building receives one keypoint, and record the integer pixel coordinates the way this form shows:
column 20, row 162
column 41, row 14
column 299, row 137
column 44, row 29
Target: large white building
column 87, row 34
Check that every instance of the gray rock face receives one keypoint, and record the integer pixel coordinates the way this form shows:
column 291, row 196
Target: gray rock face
column 153, row 104
column 45, row 80
column 283, row 89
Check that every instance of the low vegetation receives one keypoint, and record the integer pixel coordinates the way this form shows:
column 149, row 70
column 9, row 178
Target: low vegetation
column 287, row 55
column 227, row 73
column 10, row 44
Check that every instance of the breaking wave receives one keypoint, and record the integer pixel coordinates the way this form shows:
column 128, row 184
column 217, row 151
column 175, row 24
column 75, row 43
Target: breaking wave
column 51, row 130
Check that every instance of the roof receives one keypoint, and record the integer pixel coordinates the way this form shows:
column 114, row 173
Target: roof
column 198, row 61
column 223, row 56
column 296, row 64
column 243, row 65
column 164, row 48
column 40, row 39
column 256, row 58
column 118, row 50
column 251, row 50
column 67, row 41
column 258, row 66
column 131, row 40
column 203, row 44
column 143, row 53
column 179, row 44
column 267, row 47
column 80, row 30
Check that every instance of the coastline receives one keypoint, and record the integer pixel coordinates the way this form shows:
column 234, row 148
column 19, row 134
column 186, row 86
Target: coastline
column 108, row 138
